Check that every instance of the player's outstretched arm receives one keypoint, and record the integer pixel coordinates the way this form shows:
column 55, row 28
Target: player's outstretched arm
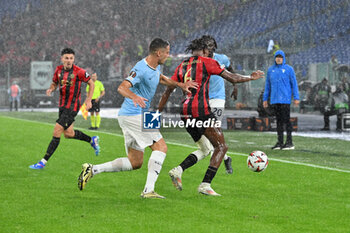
column 238, row 78
column 184, row 86
column 124, row 90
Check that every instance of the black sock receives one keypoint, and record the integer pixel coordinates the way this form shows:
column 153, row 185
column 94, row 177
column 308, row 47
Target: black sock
column 189, row 162
column 81, row 136
column 209, row 175
column 52, row 147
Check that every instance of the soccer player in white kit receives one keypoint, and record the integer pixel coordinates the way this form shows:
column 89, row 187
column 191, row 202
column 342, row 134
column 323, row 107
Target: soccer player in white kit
column 138, row 89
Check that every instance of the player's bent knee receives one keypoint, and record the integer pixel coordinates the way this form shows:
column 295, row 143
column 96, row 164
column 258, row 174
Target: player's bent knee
column 136, row 165
column 205, row 146
column 160, row 146
column 223, row 147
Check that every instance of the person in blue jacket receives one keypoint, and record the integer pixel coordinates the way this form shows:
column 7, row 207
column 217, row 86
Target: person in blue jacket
column 281, row 85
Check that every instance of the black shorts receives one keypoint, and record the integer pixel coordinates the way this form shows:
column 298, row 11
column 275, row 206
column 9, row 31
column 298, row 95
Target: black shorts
column 66, row 117
column 197, row 132
column 95, row 106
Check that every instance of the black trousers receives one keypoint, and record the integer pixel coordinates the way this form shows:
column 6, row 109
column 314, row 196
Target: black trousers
column 282, row 112
column 326, row 116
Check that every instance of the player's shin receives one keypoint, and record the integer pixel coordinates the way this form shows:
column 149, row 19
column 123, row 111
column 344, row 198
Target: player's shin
column 117, row 165
column 52, row 147
column 81, row 136
column 154, row 167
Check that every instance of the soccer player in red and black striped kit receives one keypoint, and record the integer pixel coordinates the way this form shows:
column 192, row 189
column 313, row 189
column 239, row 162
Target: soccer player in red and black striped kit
column 68, row 78
column 195, row 106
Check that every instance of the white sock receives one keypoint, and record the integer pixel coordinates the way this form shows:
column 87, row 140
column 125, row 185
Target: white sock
column 44, row 161
column 155, row 163
column 179, row 168
column 117, row 165
column 225, row 157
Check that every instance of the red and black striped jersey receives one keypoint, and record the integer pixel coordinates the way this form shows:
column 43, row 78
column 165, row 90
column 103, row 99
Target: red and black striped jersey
column 198, row 69
column 69, row 83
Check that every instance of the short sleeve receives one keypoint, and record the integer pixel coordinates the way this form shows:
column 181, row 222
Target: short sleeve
column 102, row 88
column 176, row 76
column 213, row 67
column 83, row 75
column 134, row 77
column 227, row 62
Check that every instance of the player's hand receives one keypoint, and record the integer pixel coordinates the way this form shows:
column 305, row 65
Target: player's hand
column 257, row 74
column 296, row 103
column 188, row 85
column 138, row 100
column 88, row 104
column 234, row 93
column 265, row 104
column 48, row 92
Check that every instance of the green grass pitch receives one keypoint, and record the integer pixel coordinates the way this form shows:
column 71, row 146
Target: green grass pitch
column 287, row 197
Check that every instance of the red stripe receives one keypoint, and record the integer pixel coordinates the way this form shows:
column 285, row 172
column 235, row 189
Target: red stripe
column 63, row 88
column 70, row 98
column 206, row 104
column 77, row 100
column 199, row 79
column 184, row 106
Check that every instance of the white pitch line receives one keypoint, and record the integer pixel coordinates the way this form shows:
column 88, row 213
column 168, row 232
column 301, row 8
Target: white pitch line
column 194, row 147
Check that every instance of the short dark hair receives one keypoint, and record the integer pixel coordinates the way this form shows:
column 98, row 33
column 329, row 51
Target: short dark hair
column 67, row 51
column 196, row 44
column 158, row 43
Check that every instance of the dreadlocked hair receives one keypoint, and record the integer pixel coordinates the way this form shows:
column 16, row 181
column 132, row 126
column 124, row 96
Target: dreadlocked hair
column 196, row 44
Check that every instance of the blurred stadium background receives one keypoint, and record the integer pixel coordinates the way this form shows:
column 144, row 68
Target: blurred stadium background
column 110, row 36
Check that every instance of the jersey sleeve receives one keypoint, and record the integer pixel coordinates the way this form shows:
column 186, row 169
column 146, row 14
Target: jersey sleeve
column 134, row 77
column 227, row 62
column 214, row 67
column 176, row 76
column 102, row 88
column 83, row 75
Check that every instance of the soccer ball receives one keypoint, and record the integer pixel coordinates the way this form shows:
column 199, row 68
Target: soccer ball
column 257, row 161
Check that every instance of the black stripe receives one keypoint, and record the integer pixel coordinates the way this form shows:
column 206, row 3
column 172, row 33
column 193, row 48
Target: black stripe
column 76, row 94
column 201, row 97
column 67, row 88
column 60, row 84
column 189, row 105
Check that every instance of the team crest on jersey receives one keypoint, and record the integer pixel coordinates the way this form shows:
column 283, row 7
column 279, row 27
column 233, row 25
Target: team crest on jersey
column 283, row 70
column 132, row 75
column 72, row 76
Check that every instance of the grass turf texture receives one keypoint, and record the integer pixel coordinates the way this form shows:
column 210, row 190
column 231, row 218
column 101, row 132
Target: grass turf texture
column 284, row 198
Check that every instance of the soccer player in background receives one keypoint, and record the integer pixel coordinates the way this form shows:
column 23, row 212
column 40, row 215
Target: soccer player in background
column 68, row 78
column 199, row 67
column 217, row 94
column 138, row 89
column 99, row 92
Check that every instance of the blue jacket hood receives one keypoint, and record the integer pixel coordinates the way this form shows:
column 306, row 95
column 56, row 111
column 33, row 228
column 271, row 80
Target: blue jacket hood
column 280, row 52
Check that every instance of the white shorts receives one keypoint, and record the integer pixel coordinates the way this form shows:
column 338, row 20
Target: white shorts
column 217, row 108
column 134, row 137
